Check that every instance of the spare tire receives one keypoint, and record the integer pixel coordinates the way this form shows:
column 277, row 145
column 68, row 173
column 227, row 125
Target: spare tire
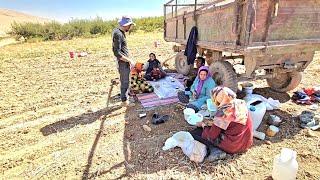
column 182, row 63
column 224, row 74
column 284, row 82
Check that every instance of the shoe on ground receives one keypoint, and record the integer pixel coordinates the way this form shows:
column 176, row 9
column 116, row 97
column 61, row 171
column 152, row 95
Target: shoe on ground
column 216, row 154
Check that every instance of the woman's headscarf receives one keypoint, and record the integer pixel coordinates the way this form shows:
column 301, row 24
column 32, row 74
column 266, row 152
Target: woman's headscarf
column 230, row 109
column 201, row 82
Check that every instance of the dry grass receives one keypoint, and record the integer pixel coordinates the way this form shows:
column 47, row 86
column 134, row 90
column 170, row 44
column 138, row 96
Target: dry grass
column 54, row 123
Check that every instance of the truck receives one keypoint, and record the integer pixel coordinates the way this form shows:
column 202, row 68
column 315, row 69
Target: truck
column 272, row 39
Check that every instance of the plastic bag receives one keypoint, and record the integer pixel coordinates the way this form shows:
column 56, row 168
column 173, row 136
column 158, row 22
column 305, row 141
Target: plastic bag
column 195, row 150
column 178, row 139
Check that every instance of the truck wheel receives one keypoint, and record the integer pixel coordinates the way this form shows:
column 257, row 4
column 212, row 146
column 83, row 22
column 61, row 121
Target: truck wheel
column 224, row 74
column 285, row 81
column 182, row 64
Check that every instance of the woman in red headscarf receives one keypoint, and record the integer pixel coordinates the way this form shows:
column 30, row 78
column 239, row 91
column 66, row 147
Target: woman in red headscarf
column 230, row 130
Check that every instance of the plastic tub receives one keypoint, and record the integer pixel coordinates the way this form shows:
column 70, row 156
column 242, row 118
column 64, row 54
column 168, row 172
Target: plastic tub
column 195, row 118
column 188, row 112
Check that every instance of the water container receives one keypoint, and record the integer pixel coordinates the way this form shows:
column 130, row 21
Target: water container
column 257, row 109
column 211, row 108
column 285, row 165
column 188, row 112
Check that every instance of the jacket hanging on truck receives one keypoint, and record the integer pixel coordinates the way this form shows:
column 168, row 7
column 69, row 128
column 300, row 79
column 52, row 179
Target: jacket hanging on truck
column 191, row 49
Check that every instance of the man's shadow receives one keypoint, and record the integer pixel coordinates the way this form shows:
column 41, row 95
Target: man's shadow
column 83, row 119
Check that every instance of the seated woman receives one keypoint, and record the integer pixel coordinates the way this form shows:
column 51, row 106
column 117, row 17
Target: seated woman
column 153, row 69
column 231, row 128
column 199, row 91
column 200, row 61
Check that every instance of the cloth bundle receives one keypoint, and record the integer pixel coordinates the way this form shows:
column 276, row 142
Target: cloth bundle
column 306, row 96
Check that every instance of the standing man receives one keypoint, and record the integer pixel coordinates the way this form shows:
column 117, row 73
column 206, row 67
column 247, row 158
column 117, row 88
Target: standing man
column 120, row 51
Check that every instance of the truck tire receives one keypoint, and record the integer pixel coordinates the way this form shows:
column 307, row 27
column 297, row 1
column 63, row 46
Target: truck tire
column 182, row 64
column 285, row 81
column 224, row 74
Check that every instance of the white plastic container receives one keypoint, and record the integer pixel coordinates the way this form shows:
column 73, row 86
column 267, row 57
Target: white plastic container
column 195, row 118
column 188, row 112
column 259, row 135
column 257, row 111
column 285, row 165
column 211, row 107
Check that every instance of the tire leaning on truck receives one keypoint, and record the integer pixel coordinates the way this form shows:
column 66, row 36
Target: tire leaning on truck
column 224, row 74
column 181, row 63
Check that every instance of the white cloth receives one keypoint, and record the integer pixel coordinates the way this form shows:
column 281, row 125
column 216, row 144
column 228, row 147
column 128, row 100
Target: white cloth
column 270, row 103
column 165, row 88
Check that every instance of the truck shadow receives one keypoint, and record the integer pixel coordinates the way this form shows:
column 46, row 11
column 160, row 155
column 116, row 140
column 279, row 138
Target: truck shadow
column 143, row 154
column 268, row 92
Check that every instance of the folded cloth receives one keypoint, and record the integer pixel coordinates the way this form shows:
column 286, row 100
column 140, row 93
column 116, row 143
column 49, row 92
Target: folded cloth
column 317, row 94
column 301, row 97
column 309, row 91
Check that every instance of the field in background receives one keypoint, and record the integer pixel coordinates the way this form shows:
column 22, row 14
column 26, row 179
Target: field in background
column 54, row 123
column 80, row 28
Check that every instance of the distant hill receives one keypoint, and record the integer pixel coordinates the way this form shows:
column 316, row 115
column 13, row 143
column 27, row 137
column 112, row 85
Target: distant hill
column 9, row 16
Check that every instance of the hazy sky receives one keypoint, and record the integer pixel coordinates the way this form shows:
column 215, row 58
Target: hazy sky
column 64, row 10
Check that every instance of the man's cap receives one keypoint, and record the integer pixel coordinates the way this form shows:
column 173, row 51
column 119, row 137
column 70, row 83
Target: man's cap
column 126, row 21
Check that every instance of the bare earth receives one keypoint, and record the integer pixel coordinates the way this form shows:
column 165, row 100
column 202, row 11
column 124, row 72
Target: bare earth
column 54, row 123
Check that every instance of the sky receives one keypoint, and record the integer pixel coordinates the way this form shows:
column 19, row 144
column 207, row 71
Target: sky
column 64, row 10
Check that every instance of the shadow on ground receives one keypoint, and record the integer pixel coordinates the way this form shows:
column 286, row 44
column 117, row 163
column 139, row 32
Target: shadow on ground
column 268, row 92
column 71, row 122
column 143, row 150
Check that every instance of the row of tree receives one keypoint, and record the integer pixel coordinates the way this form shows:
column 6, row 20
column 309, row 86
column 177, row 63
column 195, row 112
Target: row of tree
column 79, row 28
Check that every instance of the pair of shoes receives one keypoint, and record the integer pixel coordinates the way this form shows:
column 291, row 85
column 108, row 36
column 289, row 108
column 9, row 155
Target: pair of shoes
column 216, row 154
column 157, row 119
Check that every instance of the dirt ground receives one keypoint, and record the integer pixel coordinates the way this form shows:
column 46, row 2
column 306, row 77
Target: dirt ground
column 54, row 123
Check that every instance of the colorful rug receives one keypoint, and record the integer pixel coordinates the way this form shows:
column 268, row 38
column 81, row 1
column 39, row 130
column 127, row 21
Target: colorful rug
column 153, row 100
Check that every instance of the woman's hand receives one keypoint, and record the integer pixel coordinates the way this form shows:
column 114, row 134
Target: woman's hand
column 200, row 124
column 194, row 95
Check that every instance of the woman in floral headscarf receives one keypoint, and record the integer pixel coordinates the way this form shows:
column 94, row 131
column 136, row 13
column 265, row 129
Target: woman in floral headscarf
column 230, row 130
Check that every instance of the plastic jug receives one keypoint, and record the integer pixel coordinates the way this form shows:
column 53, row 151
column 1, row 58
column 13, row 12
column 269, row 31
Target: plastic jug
column 257, row 109
column 285, row 165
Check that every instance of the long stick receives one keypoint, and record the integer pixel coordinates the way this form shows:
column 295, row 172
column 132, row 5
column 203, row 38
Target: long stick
column 164, row 62
column 113, row 82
